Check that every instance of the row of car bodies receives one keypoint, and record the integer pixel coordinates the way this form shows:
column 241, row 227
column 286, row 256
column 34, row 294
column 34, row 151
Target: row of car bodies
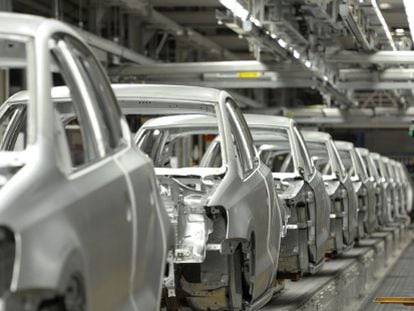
column 325, row 206
column 220, row 206
column 318, row 192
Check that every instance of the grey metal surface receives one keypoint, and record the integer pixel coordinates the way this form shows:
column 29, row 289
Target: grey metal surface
column 382, row 57
column 306, row 189
column 336, row 175
column 241, row 194
column 85, row 223
column 397, row 283
column 339, row 284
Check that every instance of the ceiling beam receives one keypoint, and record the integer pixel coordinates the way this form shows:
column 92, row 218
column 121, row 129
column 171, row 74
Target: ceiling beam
column 199, row 68
column 379, row 58
column 165, row 23
column 379, row 85
column 358, row 118
column 390, row 74
column 239, row 83
column 113, row 48
column 185, row 3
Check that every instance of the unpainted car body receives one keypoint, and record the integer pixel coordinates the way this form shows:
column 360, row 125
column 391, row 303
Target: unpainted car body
column 224, row 206
column 388, row 211
column 75, row 197
column 408, row 185
column 363, row 185
column 372, row 173
column 400, row 192
column 301, row 186
column 339, row 186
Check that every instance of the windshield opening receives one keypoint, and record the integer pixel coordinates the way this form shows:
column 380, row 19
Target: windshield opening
column 179, row 148
column 320, row 158
column 275, row 150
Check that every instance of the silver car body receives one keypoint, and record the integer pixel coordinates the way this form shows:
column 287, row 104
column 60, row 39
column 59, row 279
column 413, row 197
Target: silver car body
column 372, row 173
column 339, row 186
column 82, row 229
column 400, row 191
column 301, row 187
column 363, row 186
column 235, row 205
column 408, row 185
column 388, row 204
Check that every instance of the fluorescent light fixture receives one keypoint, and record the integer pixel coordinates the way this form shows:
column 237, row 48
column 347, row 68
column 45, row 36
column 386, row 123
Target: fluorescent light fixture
column 409, row 11
column 385, row 6
column 237, row 9
column 296, row 54
column 240, row 12
column 282, row 43
column 256, row 22
column 399, row 31
column 308, row 64
column 273, row 36
column 384, row 23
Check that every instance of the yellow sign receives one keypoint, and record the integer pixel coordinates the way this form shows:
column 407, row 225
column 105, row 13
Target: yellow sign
column 248, row 74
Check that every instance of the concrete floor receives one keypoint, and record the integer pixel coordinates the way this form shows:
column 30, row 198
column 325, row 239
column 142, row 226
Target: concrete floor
column 348, row 281
column 399, row 282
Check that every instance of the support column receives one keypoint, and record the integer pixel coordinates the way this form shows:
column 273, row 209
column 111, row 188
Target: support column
column 5, row 5
column 4, row 85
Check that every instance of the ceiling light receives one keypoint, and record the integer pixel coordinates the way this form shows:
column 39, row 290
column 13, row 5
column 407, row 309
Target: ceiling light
column 399, row 31
column 256, row 22
column 409, row 11
column 237, row 9
column 282, row 43
column 296, row 54
column 385, row 6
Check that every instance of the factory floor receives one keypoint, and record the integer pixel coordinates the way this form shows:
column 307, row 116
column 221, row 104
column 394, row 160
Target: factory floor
column 399, row 282
column 379, row 265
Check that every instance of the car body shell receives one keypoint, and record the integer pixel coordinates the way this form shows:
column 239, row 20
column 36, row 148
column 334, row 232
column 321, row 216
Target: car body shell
column 372, row 173
column 341, row 192
column 89, row 223
column 304, row 247
column 408, row 185
column 388, row 191
column 364, row 187
column 399, row 191
column 250, row 202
